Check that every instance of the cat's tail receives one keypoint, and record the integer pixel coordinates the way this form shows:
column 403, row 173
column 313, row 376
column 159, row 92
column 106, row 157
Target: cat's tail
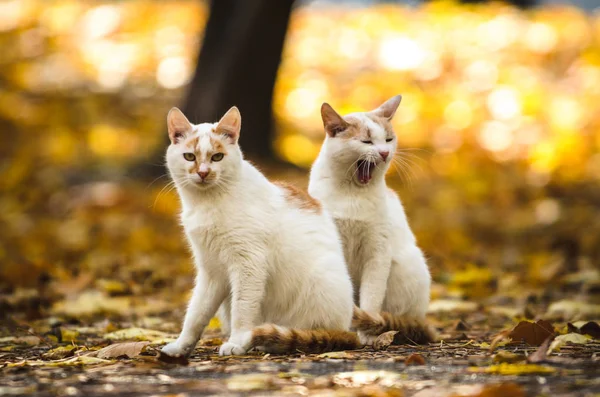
column 280, row 340
column 410, row 330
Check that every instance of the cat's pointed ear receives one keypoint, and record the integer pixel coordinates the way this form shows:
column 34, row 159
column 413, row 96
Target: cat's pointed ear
column 177, row 125
column 389, row 107
column 230, row 124
column 332, row 121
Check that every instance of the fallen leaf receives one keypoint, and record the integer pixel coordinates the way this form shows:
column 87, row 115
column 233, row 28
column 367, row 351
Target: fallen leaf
column 127, row 349
column 29, row 340
column 514, row 369
column 384, row 340
column 461, row 326
column 68, row 335
column 363, row 378
column 69, row 362
column 337, row 355
column 91, row 302
column 140, row 334
column 569, row 309
column 540, row 354
column 415, row 359
column 455, row 306
column 60, row 353
column 214, row 324
column 501, row 390
column 590, row 328
column 562, row 340
column 250, row 382
column 532, row 333
column 504, row 356
column 177, row 360
column 211, row 342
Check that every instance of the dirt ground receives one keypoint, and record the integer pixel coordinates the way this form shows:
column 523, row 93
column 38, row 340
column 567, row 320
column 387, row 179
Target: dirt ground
column 72, row 359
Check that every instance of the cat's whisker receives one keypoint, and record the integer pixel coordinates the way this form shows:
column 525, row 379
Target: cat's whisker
column 401, row 166
column 410, row 158
column 165, row 190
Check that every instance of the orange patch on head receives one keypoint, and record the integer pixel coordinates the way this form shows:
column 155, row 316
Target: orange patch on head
column 353, row 130
column 382, row 121
column 217, row 145
column 193, row 143
column 299, row 197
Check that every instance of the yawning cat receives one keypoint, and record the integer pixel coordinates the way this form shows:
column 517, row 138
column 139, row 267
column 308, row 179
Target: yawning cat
column 266, row 253
column 387, row 267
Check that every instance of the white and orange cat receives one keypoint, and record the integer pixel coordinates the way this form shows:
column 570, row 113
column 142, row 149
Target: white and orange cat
column 264, row 253
column 388, row 270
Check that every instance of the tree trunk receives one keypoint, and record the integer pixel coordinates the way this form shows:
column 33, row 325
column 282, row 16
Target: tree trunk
column 237, row 65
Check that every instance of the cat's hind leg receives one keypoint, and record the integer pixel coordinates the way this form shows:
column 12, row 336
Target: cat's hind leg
column 409, row 284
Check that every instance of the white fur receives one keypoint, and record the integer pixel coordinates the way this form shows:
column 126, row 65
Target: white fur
column 387, row 268
column 257, row 256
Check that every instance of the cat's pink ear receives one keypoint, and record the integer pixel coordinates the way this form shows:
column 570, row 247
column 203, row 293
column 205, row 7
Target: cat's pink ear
column 177, row 125
column 231, row 124
column 389, row 107
column 332, row 121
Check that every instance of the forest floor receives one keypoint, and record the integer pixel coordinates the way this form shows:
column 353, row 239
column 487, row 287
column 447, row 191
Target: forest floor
column 95, row 278
column 472, row 358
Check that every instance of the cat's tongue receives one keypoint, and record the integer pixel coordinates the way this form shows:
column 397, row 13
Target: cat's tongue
column 365, row 171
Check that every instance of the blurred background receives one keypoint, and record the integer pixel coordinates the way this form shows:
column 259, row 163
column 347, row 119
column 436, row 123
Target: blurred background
column 499, row 130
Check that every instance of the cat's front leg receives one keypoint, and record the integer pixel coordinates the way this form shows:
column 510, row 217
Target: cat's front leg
column 248, row 282
column 373, row 288
column 208, row 294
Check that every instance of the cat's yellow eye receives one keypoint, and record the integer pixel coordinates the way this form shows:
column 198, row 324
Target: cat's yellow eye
column 217, row 157
column 189, row 156
column 367, row 142
column 389, row 139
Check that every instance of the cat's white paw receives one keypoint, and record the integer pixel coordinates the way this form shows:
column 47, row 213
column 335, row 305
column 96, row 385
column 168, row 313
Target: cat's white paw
column 231, row 349
column 177, row 349
column 366, row 340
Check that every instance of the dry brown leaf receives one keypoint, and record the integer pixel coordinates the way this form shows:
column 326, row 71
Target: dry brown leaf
column 384, row 340
column 177, row 360
column 125, row 349
column 415, row 359
column 590, row 328
column 532, row 333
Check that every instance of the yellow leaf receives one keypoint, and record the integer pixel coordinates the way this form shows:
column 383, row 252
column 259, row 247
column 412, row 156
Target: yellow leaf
column 59, row 353
column 562, row 340
column 504, row 356
column 514, row 369
column 214, row 324
column 136, row 334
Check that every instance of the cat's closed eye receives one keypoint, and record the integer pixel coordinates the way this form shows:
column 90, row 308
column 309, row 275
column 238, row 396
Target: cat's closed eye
column 217, row 157
column 389, row 139
column 368, row 142
column 189, row 156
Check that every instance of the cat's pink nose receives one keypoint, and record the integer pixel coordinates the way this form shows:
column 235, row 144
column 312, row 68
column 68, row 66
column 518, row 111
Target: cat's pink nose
column 384, row 154
column 203, row 174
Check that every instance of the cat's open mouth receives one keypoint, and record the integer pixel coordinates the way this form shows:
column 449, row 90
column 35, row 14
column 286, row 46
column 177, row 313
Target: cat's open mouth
column 364, row 171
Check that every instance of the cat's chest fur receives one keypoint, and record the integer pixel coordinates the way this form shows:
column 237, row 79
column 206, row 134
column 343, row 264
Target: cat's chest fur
column 217, row 233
